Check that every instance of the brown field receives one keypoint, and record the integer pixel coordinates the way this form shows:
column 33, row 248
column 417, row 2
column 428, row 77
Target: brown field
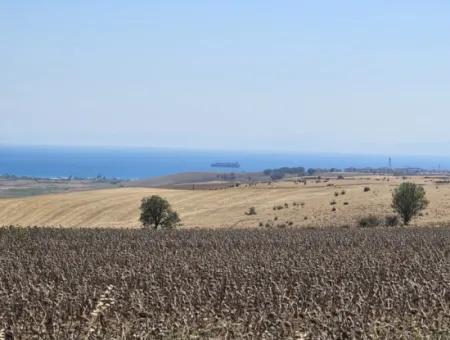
column 226, row 207
column 386, row 283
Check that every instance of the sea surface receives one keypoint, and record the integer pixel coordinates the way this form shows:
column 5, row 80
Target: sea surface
column 135, row 163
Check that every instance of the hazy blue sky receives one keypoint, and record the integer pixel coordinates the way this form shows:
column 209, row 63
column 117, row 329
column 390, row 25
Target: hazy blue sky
column 349, row 76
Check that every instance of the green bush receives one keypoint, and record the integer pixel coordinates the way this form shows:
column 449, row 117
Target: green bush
column 157, row 212
column 408, row 200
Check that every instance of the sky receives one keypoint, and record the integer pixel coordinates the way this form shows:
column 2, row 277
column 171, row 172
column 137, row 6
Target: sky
column 309, row 76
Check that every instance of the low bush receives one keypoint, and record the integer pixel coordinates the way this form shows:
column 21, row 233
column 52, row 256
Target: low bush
column 391, row 220
column 251, row 211
column 369, row 221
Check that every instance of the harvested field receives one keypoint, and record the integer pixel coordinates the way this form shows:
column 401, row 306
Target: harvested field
column 307, row 205
column 293, row 283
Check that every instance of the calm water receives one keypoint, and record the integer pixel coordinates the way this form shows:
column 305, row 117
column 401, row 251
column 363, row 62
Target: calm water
column 130, row 163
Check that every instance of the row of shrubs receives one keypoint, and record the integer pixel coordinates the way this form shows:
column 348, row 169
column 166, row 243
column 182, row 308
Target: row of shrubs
column 376, row 221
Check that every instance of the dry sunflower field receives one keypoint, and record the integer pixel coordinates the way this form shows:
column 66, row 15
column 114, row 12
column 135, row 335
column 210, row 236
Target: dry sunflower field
column 293, row 283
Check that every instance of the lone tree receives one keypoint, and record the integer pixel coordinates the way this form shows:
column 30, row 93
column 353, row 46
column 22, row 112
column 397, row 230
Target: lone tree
column 156, row 211
column 408, row 200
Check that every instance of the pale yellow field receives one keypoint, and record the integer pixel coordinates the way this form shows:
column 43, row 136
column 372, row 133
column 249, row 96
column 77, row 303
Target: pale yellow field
column 226, row 207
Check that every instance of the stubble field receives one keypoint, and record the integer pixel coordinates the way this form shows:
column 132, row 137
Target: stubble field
column 279, row 203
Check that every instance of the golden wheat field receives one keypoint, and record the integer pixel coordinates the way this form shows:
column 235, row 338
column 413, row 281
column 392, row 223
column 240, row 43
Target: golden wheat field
column 286, row 202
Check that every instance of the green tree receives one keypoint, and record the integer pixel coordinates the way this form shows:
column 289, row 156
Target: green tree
column 408, row 200
column 157, row 212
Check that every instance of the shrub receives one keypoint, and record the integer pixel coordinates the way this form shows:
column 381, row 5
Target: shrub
column 343, row 192
column 251, row 211
column 345, row 203
column 336, row 194
column 369, row 221
column 333, row 209
column 366, row 189
column 333, row 202
column 391, row 220
column 408, row 200
column 286, row 205
column 156, row 211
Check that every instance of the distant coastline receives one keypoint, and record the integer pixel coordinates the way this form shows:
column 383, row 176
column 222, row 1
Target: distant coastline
column 139, row 163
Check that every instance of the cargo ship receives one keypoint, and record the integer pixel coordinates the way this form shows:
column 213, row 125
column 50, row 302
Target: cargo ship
column 226, row 165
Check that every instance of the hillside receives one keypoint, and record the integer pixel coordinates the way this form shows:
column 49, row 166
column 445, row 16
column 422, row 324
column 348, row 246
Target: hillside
column 227, row 207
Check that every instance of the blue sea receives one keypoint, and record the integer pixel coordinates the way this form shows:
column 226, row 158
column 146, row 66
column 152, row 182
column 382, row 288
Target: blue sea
column 136, row 163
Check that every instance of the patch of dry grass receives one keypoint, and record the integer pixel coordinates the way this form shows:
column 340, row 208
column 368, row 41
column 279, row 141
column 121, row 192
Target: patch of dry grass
column 227, row 207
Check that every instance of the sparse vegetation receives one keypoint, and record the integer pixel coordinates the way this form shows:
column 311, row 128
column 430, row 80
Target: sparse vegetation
column 251, row 211
column 391, row 220
column 369, row 221
column 409, row 200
